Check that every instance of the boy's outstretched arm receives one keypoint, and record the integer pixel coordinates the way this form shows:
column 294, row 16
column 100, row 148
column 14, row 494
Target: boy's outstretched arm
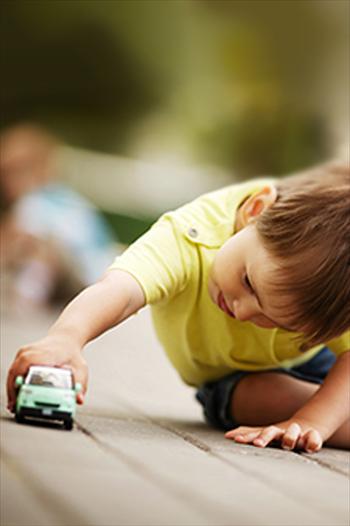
column 95, row 310
column 314, row 423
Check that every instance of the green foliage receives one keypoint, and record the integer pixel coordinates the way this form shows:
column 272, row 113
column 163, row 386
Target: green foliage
column 252, row 86
column 127, row 228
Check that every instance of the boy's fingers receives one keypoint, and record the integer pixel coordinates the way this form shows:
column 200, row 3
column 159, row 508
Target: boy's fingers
column 312, row 441
column 25, row 358
column 241, row 432
column 290, row 437
column 300, row 443
column 10, row 390
column 81, row 375
column 267, row 435
column 246, row 437
column 20, row 366
column 80, row 398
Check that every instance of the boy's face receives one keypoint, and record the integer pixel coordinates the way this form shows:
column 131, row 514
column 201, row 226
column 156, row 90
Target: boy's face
column 239, row 278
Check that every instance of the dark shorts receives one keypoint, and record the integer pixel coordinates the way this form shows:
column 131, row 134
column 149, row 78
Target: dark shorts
column 215, row 397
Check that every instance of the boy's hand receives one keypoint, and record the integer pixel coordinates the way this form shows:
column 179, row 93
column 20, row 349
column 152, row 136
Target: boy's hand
column 55, row 351
column 293, row 434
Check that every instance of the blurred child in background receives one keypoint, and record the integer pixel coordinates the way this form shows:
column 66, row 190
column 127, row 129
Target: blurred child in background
column 53, row 241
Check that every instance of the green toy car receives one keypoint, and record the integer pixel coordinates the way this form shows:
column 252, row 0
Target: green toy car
column 47, row 393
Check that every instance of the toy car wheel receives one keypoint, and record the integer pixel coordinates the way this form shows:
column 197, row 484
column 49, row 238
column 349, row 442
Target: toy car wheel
column 19, row 418
column 68, row 424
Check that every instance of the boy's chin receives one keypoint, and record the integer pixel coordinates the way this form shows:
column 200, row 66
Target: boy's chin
column 265, row 325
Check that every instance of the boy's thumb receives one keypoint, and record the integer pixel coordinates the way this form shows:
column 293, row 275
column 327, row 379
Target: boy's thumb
column 80, row 398
column 81, row 377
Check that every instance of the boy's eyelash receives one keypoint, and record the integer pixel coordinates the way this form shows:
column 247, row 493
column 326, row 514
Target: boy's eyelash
column 247, row 282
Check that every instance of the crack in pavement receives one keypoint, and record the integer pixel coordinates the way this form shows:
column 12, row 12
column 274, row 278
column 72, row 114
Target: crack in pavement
column 208, row 511
column 324, row 464
column 206, row 449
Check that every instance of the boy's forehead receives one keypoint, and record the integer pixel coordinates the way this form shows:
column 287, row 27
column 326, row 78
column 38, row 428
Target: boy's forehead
column 261, row 261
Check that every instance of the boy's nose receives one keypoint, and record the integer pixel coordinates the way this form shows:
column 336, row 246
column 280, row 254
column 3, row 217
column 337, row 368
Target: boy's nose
column 243, row 311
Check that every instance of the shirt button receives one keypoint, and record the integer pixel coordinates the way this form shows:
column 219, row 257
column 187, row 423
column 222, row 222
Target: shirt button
column 193, row 232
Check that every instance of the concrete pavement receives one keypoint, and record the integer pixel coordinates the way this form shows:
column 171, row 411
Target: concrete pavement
column 141, row 455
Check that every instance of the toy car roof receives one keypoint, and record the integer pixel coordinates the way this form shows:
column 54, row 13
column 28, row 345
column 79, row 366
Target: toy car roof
column 46, row 368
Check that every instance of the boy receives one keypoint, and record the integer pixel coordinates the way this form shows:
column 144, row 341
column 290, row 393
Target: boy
column 247, row 286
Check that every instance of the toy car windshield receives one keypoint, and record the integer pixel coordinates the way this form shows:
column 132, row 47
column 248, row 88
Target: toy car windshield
column 50, row 377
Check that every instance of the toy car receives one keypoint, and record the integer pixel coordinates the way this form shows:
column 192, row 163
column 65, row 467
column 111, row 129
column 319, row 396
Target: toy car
column 47, row 393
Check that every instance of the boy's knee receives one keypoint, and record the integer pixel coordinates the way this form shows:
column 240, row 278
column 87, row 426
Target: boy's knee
column 260, row 388
column 261, row 398
column 267, row 382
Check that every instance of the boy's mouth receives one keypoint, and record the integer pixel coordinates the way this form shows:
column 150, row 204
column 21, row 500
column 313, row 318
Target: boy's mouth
column 223, row 306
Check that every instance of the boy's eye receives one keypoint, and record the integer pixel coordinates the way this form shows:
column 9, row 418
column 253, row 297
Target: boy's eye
column 247, row 282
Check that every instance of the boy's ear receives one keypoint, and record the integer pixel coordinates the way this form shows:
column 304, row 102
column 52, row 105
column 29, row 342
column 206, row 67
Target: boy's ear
column 256, row 204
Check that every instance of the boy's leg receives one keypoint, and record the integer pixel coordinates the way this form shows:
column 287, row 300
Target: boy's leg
column 261, row 399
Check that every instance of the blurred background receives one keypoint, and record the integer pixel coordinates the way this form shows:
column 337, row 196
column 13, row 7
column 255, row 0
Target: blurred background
column 115, row 111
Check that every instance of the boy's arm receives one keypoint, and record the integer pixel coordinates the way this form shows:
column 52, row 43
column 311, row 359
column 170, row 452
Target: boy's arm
column 315, row 422
column 98, row 308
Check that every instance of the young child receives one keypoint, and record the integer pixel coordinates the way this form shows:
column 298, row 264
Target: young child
column 250, row 293
column 45, row 258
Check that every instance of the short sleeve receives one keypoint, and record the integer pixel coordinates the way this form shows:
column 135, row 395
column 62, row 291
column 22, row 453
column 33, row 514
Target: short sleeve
column 161, row 260
column 341, row 344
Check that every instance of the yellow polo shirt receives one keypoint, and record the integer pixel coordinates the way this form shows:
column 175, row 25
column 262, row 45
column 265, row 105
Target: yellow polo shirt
column 172, row 263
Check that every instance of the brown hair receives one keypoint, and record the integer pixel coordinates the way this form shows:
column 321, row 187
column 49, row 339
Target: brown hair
column 307, row 229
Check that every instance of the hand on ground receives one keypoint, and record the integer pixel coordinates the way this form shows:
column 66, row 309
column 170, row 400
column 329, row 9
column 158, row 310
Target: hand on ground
column 290, row 434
